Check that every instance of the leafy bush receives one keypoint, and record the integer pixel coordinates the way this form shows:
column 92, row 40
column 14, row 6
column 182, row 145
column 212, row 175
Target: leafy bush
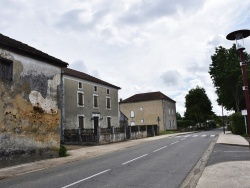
column 63, row 151
column 238, row 124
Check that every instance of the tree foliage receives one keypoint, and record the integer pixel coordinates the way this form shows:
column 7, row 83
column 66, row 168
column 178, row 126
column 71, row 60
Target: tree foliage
column 225, row 72
column 198, row 105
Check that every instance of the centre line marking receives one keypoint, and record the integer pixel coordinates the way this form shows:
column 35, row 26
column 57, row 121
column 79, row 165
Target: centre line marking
column 174, row 142
column 183, row 138
column 159, row 149
column 134, row 159
column 236, row 151
column 86, row 178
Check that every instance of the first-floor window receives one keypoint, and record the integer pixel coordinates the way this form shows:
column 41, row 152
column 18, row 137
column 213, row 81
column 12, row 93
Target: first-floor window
column 108, row 103
column 80, row 98
column 6, row 69
column 81, row 122
column 132, row 114
column 169, row 123
column 95, row 98
column 109, row 122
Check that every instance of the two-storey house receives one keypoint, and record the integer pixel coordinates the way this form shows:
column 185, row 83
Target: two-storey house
column 88, row 102
column 152, row 108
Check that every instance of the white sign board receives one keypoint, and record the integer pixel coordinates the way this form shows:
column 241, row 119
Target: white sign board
column 244, row 112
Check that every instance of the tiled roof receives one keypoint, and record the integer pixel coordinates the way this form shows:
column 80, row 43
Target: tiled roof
column 147, row 97
column 22, row 48
column 87, row 77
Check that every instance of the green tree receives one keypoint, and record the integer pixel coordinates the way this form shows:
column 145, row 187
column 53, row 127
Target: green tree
column 178, row 116
column 225, row 72
column 198, row 105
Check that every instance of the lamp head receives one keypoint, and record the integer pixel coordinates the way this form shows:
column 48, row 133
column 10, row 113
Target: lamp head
column 239, row 36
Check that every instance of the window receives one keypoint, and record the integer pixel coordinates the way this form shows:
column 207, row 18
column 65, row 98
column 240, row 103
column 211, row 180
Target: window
column 132, row 123
column 141, row 109
column 80, row 98
column 95, row 99
column 108, row 103
column 173, row 123
column 132, row 114
column 6, row 69
column 81, row 121
column 169, row 123
column 109, row 122
column 169, row 112
column 172, row 112
column 79, row 85
column 142, row 121
column 107, row 91
column 95, row 88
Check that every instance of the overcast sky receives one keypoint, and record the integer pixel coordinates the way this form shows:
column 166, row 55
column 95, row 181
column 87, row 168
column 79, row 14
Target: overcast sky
column 138, row 45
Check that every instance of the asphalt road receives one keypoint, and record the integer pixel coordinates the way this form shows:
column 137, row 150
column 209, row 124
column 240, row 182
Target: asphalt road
column 224, row 153
column 160, row 163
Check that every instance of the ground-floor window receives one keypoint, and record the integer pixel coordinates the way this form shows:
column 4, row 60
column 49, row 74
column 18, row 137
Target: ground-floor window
column 108, row 122
column 81, row 121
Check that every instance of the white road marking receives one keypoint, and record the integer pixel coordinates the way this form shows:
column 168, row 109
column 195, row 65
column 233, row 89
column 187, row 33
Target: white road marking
column 236, row 151
column 195, row 135
column 183, row 138
column 86, row 178
column 186, row 136
column 212, row 135
column 178, row 136
column 159, row 149
column 174, row 142
column 134, row 159
column 203, row 135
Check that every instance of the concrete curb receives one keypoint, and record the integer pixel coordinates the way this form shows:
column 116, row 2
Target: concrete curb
column 194, row 175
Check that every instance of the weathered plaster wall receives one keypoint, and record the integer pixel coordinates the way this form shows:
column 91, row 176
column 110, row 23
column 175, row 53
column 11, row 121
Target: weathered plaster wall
column 29, row 113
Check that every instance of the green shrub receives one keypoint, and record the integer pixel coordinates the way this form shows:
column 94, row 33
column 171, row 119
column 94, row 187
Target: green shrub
column 185, row 123
column 63, row 151
column 238, row 124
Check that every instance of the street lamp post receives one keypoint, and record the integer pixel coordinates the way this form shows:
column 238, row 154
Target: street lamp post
column 239, row 36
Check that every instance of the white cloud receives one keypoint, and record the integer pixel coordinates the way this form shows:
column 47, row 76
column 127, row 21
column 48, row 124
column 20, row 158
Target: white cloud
column 139, row 45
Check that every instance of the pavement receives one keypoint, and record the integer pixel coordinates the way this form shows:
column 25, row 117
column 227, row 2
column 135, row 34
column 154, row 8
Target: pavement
column 235, row 174
column 227, row 174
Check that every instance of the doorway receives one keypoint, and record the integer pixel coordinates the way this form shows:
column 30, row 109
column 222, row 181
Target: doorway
column 96, row 124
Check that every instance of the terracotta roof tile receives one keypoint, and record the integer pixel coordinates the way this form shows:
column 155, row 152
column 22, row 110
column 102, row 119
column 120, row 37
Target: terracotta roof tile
column 20, row 47
column 146, row 97
column 87, row 77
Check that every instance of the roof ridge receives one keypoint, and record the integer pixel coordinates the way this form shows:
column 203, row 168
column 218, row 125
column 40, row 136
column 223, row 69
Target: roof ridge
column 157, row 95
column 25, row 48
column 85, row 76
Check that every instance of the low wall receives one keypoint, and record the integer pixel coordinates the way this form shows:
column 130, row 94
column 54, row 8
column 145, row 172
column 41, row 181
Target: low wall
column 111, row 138
column 138, row 135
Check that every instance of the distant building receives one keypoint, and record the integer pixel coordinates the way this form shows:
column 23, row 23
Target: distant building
column 153, row 108
column 88, row 102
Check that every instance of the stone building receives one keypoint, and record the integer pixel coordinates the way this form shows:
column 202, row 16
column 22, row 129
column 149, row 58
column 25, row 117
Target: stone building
column 153, row 108
column 88, row 102
column 29, row 100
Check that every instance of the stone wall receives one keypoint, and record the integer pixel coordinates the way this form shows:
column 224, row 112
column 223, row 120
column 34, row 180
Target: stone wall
column 138, row 135
column 111, row 138
column 29, row 108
